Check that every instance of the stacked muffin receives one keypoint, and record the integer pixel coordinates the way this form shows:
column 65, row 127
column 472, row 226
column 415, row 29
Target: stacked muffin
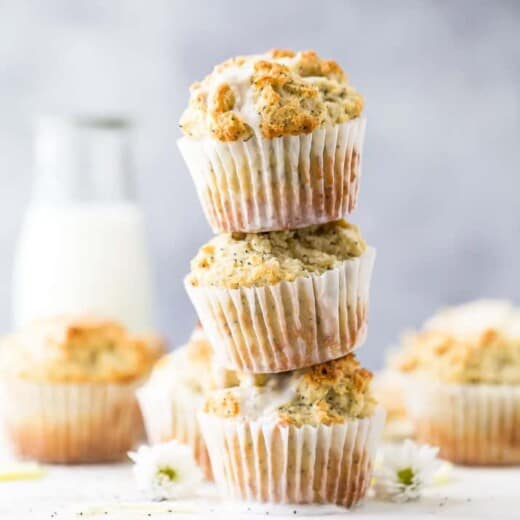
column 273, row 143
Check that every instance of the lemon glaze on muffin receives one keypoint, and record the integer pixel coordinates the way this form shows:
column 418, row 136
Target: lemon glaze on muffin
column 251, row 260
column 275, row 94
column 305, row 437
column 74, row 350
column 478, row 342
column 328, row 393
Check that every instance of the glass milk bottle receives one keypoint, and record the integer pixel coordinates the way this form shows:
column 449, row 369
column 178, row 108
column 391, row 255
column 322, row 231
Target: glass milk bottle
column 82, row 246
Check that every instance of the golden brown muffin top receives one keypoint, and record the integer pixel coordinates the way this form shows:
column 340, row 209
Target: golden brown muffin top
column 156, row 343
column 275, row 94
column 191, row 367
column 329, row 393
column 478, row 342
column 77, row 350
column 235, row 260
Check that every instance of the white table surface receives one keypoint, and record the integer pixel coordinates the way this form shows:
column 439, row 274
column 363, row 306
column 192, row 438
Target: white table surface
column 109, row 492
column 94, row 492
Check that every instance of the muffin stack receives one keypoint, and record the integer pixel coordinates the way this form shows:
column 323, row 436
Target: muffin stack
column 273, row 143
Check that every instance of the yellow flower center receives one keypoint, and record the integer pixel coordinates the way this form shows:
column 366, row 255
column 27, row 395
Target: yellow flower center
column 167, row 472
column 405, row 476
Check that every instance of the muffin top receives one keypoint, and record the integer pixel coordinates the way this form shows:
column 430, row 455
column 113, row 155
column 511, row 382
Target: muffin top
column 275, row 94
column 77, row 350
column 235, row 260
column 478, row 342
column 191, row 368
column 329, row 393
column 388, row 389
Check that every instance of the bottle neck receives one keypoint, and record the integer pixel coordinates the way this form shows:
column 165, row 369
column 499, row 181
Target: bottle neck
column 80, row 160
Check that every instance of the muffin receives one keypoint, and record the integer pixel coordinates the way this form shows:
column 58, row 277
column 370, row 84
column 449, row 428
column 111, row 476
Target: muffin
column 390, row 394
column 278, row 301
column 273, row 141
column 68, row 389
column 300, row 437
column 463, row 382
column 175, row 392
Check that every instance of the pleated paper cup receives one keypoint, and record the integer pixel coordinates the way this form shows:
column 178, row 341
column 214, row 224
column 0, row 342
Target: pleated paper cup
column 289, row 325
column 266, row 462
column 282, row 183
column 69, row 422
column 472, row 424
column 172, row 414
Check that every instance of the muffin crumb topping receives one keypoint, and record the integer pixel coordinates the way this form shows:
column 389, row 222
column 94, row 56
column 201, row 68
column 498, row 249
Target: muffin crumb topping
column 275, row 94
column 327, row 393
column 84, row 349
column 255, row 259
column 191, row 368
column 478, row 342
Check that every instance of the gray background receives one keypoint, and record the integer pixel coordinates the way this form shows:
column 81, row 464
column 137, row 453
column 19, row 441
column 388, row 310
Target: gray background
column 439, row 196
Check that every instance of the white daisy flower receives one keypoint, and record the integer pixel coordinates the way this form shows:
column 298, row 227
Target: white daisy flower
column 166, row 471
column 406, row 468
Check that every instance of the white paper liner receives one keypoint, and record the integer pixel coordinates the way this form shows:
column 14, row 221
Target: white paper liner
column 70, row 423
column 169, row 414
column 282, row 183
column 289, row 325
column 263, row 462
column 472, row 424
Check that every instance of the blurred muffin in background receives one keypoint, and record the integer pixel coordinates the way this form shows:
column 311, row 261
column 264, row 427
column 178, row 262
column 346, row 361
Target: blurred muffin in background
column 175, row 392
column 274, row 141
column 68, row 389
column 390, row 394
column 283, row 300
column 462, row 377
column 306, row 436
